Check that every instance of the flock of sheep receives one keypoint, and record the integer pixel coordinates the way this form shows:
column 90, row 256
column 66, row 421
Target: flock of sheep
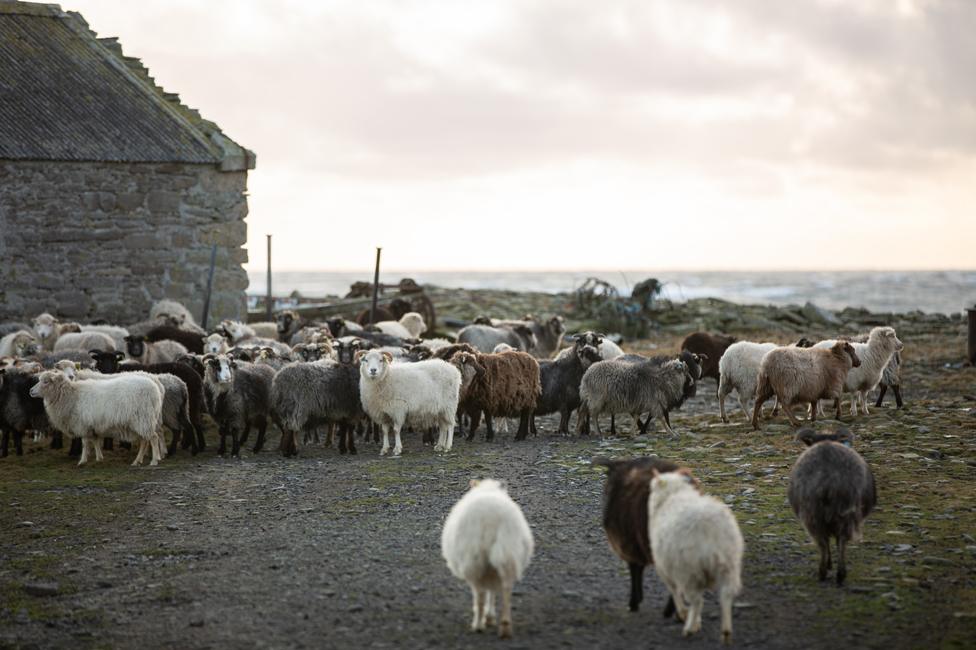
column 100, row 383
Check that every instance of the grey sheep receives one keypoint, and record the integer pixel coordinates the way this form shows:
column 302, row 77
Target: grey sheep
column 307, row 395
column 485, row 337
column 831, row 491
column 240, row 395
column 634, row 387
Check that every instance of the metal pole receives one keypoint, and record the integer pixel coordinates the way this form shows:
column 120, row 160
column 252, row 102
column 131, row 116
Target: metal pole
column 376, row 287
column 270, row 300
column 971, row 351
column 206, row 301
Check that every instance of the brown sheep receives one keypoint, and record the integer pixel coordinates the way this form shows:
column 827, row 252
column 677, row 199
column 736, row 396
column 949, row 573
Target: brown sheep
column 505, row 385
column 625, row 516
column 712, row 346
column 797, row 375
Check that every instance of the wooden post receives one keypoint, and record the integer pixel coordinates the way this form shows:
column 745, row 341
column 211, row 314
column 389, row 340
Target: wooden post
column 206, row 301
column 270, row 300
column 376, row 287
column 971, row 351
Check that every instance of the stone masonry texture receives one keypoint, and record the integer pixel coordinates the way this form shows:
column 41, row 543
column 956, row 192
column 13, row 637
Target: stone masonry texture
column 99, row 240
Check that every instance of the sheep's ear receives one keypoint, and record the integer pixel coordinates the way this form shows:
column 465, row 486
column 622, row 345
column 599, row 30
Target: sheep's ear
column 119, row 356
column 388, row 357
column 807, row 436
column 687, row 476
column 359, row 356
column 473, row 483
column 701, row 357
column 94, row 354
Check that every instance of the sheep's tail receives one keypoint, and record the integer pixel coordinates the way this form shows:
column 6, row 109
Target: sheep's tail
column 763, row 386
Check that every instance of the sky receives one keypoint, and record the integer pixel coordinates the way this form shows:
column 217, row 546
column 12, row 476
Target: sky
column 530, row 134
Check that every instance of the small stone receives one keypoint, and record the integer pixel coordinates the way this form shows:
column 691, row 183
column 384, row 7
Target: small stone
column 196, row 622
column 940, row 561
column 24, row 524
column 42, row 589
column 355, row 608
column 172, row 527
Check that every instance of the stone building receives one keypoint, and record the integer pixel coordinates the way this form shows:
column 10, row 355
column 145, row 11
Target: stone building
column 112, row 192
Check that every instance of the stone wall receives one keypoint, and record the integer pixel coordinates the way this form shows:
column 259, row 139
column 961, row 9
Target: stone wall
column 89, row 241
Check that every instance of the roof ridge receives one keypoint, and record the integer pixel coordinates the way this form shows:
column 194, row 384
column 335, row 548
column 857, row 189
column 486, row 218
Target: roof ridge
column 15, row 7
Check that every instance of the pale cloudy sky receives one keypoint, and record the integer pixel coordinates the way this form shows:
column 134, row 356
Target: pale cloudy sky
column 607, row 135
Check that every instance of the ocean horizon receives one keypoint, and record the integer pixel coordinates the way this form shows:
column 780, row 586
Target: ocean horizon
column 881, row 291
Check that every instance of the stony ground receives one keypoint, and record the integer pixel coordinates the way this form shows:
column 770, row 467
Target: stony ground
column 343, row 552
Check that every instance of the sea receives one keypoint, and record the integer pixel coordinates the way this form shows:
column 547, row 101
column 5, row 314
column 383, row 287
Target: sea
column 879, row 291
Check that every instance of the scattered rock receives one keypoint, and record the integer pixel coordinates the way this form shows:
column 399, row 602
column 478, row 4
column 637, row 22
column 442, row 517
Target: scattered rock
column 936, row 561
column 42, row 589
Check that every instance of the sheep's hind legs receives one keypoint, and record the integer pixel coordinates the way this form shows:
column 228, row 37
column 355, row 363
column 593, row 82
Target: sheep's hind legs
column 478, row 596
column 841, row 561
column 636, row 585
column 695, row 604
column 824, row 545
column 505, row 620
column 725, row 598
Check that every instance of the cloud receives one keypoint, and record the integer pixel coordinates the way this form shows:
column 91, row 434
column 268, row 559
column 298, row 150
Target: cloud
column 813, row 113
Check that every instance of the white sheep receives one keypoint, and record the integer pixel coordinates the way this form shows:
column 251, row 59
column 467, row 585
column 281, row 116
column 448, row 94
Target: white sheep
column 46, row 329
column 487, row 542
column 128, row 406
column 238, row 331
column 410, row 326
column 117, row 334
column 738, row 369
column 215, row 344
column 265, row 329
column 874, row 356
column 84, row 341
column 696, row 545
column 173, row 311
column 148, row 353
column 422, row 395
column 21, row 343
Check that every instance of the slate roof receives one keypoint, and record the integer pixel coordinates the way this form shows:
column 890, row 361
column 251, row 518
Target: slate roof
column 67, row 95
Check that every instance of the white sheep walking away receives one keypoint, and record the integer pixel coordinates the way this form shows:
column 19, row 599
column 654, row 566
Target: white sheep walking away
column 488, row 543
column 422, row 395
column 697, row 545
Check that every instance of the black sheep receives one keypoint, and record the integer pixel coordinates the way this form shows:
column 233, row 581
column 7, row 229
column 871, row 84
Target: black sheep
column 560, row 378
column 831, row 491
column 192, row 341
column 19, row 412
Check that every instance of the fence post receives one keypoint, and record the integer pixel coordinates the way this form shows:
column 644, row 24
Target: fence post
column 376, row 287
column 270, row 300
column 206, row 301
